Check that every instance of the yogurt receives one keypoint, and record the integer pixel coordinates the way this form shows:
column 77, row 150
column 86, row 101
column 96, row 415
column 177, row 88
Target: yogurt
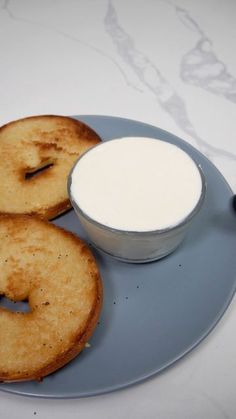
column 136, row 184
column 136, row 197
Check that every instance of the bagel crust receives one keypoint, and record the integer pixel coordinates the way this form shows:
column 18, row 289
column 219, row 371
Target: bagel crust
column 56, row 272
column 47, row 142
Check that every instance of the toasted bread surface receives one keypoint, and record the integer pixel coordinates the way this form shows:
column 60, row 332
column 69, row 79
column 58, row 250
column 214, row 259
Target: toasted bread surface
column 48, row 142
column 58, row 275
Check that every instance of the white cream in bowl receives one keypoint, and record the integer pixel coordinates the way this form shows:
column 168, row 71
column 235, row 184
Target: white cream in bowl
column 133, row 194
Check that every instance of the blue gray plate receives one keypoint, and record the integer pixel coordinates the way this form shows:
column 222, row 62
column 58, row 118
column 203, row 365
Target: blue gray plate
column 153, row 313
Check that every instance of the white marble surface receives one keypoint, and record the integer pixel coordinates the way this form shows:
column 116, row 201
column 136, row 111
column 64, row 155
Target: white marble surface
column 168, row 63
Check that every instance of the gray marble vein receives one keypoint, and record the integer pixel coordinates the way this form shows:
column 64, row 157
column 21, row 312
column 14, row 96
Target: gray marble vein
column 150, row 76
column 215, row 404
column 7, row 8
column 201, row 67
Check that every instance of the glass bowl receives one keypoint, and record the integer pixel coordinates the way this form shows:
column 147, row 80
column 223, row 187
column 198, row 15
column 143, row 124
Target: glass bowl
column 135, row 246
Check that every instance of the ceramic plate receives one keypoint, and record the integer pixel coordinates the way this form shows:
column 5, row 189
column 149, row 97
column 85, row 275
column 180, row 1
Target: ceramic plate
column 153, row 313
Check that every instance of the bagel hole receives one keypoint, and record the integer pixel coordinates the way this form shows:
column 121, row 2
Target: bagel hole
column 38, row 170
column 21, row 306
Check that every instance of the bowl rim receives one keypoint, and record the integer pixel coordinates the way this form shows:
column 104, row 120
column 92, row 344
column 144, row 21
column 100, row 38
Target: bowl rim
column 173, row 227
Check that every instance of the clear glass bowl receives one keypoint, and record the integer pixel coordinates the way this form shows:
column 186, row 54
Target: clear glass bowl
column 135, row 246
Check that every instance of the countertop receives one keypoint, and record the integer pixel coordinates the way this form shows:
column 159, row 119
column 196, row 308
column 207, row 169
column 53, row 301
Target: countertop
column 168, row 63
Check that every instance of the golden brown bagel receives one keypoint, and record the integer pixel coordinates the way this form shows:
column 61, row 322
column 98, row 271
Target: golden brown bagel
column 58, row 275
column 28, row 144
